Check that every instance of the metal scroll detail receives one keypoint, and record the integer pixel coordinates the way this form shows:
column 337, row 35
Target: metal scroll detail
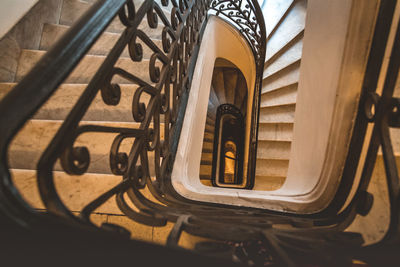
column 245, row 16
column 167, row 80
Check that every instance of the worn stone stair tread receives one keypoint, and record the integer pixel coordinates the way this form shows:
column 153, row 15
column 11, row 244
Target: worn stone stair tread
column 293, row 24
column 288, row 57
column 61, row 102
column 86, row 69
column 206, row 182
column 273, row 149
column 205, row 171
column 209, row 128
column 268, row 183
column 272, row 167
column 275, row 11
column 27, row 147
column 275, row 131
column 207, row 147
column 52, row 32
column 277, row 114
column 286, row 77
column 218, row 85
column 230, row 84
column 209, row 136
column 75, row 191
column 210, row 121
column 72, row 10
column 206, row 158
column 298, row 38
column 284, row 96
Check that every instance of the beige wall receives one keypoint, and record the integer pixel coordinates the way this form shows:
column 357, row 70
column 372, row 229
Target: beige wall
column 11, row 11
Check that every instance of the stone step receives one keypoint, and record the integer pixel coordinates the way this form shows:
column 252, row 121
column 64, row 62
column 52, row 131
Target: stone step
column 207, row 147
column 60, row 104
column 86, row 69
column 279, row 114
column 209, row 129
column 28, row 146
column 52, row 33
column 289, row 28
column 206, row 158
column 284, row 96
column 285, row 77
column 72, row 10
column 75, row 191
column 205, row 172
column 212, row 108
column 209, row 137
column 268, row 183
column 206, row 182
column 298, row 38
column 213, row 98
column 288, row 56
column 210, row 122
column 274, row 12
column 219, row 86
column 395, row 138
column 230, row 82
column 273, row 149
column 272, row 167
column 275, row 131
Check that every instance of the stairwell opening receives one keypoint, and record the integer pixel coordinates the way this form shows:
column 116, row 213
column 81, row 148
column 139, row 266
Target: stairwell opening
column 222, row 160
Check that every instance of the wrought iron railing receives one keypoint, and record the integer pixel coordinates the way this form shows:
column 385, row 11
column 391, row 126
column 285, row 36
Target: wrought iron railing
column 314, row 239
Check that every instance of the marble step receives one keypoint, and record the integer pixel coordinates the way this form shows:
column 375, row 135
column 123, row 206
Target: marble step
column 209, row 137
column 213, row 98
column 274, row 13
column 52, row 33
column 285, row 77
column 284, row 96
column 86, row 69
column 210, row 122
column 75, row 191
column 212, row 108
column 72, row 10
column 268, row 183
column 289, row 28
column 206, row 182
column 207, row 147
column 32, row 140
column 219, row 86
column 279, row 114
column 273, row 149
column 286, row 58
column 206, row 159
column 211, row 115
column 205, row 172
column 275, row 131
column 395, row 138
column 272, row 167
column 230, row 82
column 60, row 104
column 298, row 38
column 209, row 129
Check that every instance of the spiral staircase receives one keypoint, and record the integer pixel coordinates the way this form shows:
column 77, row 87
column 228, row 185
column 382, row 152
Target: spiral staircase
column 285, row 22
